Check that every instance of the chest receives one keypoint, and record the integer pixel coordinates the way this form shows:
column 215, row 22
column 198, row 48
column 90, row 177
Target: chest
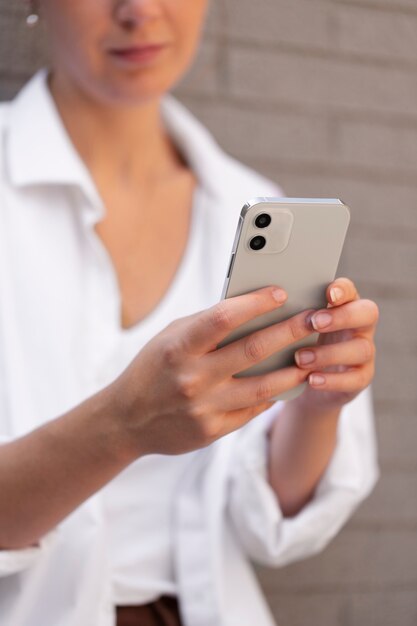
column 146, row 239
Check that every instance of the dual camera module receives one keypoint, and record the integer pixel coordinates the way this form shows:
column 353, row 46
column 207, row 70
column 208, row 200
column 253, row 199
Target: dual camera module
column 262, row 221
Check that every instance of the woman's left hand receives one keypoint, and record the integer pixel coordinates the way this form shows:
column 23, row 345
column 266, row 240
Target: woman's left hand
column 343, row 362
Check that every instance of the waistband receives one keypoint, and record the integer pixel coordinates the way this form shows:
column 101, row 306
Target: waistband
column 161, row 612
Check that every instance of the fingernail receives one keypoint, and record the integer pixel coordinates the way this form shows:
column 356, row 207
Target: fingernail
column 336, row 294
column 279, row 295
column 304, row 357
column 321, row 320
column 316, row 379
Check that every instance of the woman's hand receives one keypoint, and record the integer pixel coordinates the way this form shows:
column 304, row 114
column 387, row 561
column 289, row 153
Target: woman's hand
column 343, row 363
column 179, row 393
column 303, row 437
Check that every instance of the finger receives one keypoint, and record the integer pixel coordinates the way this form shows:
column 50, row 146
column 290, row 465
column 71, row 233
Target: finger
column 249, row 391
column 340, row 291
column 360, row 314
column 351, row 381
column 236, row 419
column 357, row 351
column 209, row 327
column 255, row 347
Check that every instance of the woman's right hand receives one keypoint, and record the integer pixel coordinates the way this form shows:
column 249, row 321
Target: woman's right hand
column 179, row 393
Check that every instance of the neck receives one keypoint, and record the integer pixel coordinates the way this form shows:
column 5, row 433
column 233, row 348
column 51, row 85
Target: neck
column 123, row 143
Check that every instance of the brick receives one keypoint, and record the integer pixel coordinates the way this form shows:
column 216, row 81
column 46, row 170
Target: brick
column 397, row 436
column 378, row 145
column 397, row 323
column 384, row 608
column 202, row 77
column 9, row 87
column 383, row 263
column 387, row 35
column 396, row 376
column 304, row 23
column 293, row 609
column 382, row 207
column 387, row 199
column 369, row 608
column 322, row 83
column 357, row 559
column 249, row 135
column 16, row 9
column 393, row 501
column 211, row 25
column 21, row 49
column 406, row 6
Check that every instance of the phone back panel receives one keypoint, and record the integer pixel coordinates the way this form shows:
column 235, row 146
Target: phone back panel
column 303, row 260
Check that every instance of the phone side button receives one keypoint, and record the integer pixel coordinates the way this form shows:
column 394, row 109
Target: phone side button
column 230, row 265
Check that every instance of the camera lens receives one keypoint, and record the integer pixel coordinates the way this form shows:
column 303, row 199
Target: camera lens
column 257, row 243
column 263, row 220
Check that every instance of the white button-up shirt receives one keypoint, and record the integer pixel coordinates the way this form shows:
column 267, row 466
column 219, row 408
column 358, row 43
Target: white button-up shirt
column 59, row 319
column 140, row 501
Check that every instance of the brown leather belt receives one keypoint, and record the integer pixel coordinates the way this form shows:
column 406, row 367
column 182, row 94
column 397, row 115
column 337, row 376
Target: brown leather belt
column 161, row 612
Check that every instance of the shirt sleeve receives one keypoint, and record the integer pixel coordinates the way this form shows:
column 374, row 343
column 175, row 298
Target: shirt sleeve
column 269, row 538
column 16, row 560
column 13, row 561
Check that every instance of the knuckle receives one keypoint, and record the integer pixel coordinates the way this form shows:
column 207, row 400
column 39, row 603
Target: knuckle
column 210, row 429
column 170, row 353
column 349, row 287
column 187, row 387
column 195, row 415
column 372, row 310
column 174, row 331
column 300, row 376
column 254, row 349
column 347, row 283
column 368, row 349
column 362, row 378
column 263, row 391
column 342, row 319
column 220, row 318
column 294, row 329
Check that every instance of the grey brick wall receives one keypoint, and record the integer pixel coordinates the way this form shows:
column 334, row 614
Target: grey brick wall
column 321, row 95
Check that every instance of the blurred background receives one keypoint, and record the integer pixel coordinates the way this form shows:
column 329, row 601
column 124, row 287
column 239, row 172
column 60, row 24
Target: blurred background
column 321, row 96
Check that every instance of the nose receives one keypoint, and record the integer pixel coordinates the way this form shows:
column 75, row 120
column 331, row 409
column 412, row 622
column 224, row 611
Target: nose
column 133, row 13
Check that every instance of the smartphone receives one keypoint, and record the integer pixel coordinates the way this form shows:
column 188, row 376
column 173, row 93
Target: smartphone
column 296, row 244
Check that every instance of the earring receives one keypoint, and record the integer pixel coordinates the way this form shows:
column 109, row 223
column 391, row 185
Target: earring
column 32, row 17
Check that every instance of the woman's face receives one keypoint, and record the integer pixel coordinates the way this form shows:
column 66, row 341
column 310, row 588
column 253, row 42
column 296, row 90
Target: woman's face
column 103, row 45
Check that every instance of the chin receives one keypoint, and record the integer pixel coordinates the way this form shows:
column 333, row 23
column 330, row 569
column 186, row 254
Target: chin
column 134, row 91
column 132, row 88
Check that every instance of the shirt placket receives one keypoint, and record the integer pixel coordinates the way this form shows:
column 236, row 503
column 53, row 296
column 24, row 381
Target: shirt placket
column 192, row 546
column 101, row 308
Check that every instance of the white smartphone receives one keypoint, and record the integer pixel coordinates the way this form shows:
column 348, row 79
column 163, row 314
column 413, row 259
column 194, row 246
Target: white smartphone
column 294, row 243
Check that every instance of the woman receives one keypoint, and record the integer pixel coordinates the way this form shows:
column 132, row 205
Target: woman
column 118, row 486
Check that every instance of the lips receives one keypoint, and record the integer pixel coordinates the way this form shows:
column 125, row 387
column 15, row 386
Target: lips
column 137, row 54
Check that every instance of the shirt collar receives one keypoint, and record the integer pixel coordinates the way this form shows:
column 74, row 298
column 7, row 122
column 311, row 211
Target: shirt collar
column 39, row 149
